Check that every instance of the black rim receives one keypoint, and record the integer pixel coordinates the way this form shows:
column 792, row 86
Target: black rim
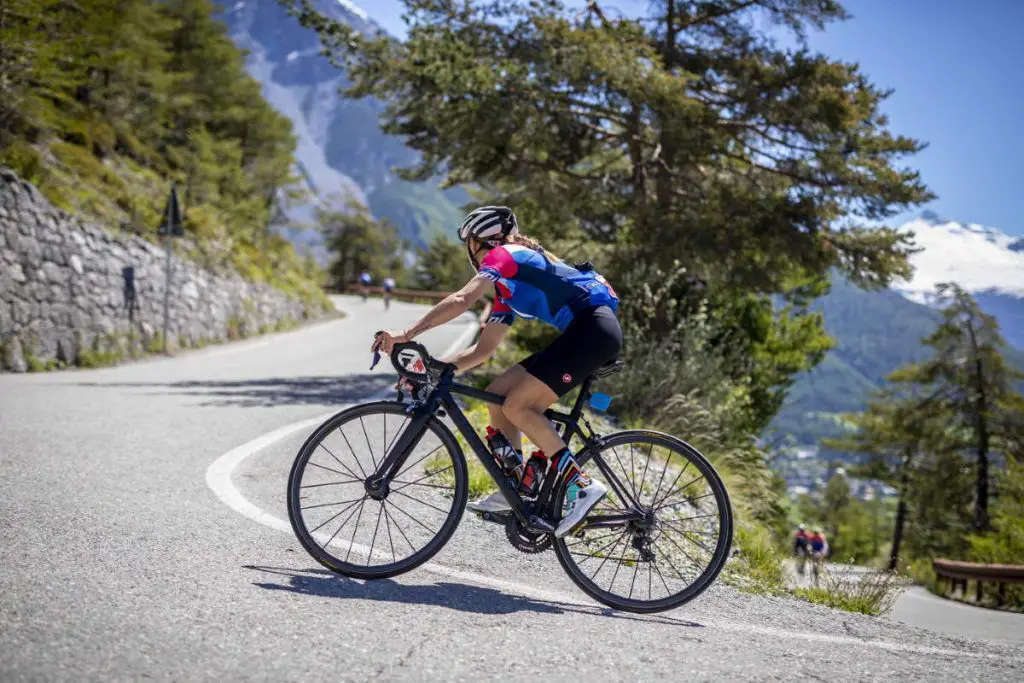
column 355, row 523
column 679, row 527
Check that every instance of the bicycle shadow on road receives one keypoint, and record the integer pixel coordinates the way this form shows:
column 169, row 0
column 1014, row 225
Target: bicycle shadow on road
column 271, row 391
column 457, row 596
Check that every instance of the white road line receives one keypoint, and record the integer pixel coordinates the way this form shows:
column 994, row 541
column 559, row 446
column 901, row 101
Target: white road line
column 218, row 478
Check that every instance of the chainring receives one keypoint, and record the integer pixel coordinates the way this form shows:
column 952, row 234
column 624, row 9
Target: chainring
column 523, row 540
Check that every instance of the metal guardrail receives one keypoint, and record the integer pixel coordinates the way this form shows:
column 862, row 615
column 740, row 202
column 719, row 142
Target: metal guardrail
column 959, row 573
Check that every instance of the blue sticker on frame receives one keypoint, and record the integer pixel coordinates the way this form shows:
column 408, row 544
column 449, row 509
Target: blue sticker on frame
column 600, row 401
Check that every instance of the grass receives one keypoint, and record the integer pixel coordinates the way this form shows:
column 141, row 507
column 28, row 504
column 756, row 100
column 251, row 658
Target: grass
column 757, row 567
column 873, row 592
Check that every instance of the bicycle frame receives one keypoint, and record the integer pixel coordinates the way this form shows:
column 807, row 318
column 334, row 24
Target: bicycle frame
column 442, row 398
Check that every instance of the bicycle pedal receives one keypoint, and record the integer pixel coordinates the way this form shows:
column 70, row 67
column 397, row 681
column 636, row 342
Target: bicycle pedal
column 494, row 517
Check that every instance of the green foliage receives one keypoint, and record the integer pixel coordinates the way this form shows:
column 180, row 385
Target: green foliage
column 759, row 565
column 442, row 266
column 360, row 242
column 936, row 430
column 1005, row 543
column 969, row 382
column 104, row 102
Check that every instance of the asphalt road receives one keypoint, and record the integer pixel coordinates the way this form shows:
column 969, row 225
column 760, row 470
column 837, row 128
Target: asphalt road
column 143, row 535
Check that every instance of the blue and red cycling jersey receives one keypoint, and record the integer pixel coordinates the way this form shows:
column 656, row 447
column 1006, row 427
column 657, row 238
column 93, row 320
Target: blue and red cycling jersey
column 531, row 286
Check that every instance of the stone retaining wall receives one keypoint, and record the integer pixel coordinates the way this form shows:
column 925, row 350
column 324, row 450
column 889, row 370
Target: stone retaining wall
column 64, row 300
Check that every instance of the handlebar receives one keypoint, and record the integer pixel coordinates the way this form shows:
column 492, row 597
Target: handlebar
column 413, row 362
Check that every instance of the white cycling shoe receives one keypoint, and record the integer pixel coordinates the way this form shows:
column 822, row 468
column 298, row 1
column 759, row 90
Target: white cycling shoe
column 586, row 498
column 493, row 503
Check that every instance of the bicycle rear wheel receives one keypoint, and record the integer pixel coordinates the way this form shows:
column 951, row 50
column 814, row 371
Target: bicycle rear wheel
column 676, row 551
column 366, row 536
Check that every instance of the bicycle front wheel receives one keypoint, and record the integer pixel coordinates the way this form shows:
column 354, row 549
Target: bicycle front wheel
column 366, row 536
column 679, row 546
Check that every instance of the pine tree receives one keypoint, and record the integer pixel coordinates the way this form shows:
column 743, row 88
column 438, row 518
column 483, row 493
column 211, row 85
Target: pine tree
column 442, row 266
column 895, row 433
column 970, row 378
column 359, row 242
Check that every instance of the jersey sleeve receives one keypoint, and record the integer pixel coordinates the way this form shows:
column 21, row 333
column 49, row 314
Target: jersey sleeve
column 498, row 264
column 501, row 313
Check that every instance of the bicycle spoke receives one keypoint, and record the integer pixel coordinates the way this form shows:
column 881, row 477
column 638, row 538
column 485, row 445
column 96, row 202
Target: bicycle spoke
column 680, row 549
column 631, row 487
column 668, row 591
column 706, row 495
column 350, row 515
column 636, row 568
column 367, row 436
column 658, row 503
column 647, row 463
column 660, row 480
column 375, row 530
column 589, row 540
column 686, row 519
column 336, row 459
column 331, row 483
column 401, row 427
column 323, row 505
column 352, row 450
column 329, row 469
column 425, row 476
column 421, row 502
column 387, row 525
column 397, row 507
column 355, row 531
column 594, row 554
column 411, row 546
column 607, row 556
column 407, row 467
column 685, row 466
column 679, row 574
column 329, row 519
column 416, row 483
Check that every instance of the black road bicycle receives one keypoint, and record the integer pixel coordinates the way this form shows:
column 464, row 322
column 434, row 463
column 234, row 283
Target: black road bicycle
column 378, row 489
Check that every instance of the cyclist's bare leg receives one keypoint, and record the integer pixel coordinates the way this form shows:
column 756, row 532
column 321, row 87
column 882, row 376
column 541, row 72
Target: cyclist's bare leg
column 524, row 407
column 503, row 385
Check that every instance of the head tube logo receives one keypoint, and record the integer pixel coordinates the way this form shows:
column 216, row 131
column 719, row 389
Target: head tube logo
column 567, row 378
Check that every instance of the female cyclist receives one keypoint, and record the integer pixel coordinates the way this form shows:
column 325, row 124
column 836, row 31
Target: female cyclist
column 528, row 282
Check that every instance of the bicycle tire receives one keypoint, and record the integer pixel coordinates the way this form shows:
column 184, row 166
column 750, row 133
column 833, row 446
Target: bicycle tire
column 725, row 527
column 431, row 548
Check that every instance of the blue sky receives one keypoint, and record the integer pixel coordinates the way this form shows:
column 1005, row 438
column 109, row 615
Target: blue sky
column 957, row 68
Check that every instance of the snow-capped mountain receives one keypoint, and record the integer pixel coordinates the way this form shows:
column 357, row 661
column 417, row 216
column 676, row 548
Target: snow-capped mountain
column 342, row 154
column 984, row 261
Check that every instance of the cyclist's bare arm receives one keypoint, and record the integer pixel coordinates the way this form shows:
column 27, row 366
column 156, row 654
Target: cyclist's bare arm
column 490, row 337
column 452, row 306
column 449, row 308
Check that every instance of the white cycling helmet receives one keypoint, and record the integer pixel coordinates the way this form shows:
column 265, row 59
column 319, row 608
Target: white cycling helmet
column 492, row 225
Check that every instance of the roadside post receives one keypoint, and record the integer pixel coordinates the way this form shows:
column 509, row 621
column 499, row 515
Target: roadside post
column 170, row 227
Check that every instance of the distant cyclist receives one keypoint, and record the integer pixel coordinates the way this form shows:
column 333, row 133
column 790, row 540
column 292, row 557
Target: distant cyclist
column 818, row 545
column 529, row 282
column 800, row 547
column 389, row 284
column 364, row 282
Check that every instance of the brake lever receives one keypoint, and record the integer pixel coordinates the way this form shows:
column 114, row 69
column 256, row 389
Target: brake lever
column 376, row 352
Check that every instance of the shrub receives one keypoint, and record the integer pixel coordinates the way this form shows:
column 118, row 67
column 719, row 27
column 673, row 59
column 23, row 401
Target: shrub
column 872, row 592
